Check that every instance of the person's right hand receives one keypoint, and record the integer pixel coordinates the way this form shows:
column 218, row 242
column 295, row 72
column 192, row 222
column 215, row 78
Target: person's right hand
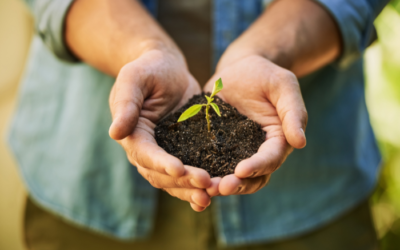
column 271, row 96
column 145, row 91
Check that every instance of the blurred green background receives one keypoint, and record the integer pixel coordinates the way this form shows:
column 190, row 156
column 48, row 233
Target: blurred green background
column 382, row 69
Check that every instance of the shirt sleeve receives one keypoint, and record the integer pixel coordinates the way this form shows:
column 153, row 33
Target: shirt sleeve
column 355, row 19
column 49, row 18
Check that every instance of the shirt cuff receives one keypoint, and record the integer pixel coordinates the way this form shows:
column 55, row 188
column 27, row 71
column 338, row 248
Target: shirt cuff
column 50, row 25
column 355, row 22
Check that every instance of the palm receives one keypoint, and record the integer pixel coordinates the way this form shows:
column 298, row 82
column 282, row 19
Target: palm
column 251, row 85
column 145, row 91
column 153, row 86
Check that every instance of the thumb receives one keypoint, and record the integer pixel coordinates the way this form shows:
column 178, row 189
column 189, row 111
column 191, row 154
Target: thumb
column 292, row 111
column 126, row 100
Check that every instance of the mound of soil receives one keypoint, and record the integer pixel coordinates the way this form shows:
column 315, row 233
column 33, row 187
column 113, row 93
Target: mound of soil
column 233, row 137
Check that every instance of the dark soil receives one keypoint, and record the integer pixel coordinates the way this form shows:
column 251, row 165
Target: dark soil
column 233, row 137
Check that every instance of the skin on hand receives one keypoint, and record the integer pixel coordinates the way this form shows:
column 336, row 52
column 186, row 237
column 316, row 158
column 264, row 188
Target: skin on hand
column 146, row 90
column 259, row 72
column 121, row 39
column 269, row 95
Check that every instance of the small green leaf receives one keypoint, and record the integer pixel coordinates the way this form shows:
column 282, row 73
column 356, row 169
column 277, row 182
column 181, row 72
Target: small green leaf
column 216, row 109
column 192, row 111
column 209, row 99
column 217, row 87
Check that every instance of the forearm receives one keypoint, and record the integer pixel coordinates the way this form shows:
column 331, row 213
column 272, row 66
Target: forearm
column 107, row 34
column 297, row 35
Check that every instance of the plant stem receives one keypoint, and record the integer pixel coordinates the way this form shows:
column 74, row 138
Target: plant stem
column 208, row 118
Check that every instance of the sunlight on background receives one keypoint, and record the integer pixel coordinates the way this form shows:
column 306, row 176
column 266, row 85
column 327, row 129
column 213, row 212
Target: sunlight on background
column 15, row 36
column 383, row 99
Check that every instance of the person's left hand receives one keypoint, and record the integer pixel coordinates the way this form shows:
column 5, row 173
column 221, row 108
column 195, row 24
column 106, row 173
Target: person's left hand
column 270, row 96
column 145, row 91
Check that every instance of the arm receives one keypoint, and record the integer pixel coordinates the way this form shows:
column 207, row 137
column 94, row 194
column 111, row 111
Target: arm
column 305, row 35
column 109, row 34
column 121, row 39
column 259, row 69
column 300, row 36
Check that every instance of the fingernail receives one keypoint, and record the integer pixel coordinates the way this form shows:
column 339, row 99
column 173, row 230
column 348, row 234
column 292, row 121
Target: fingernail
column 302, row 131
column 195, row 184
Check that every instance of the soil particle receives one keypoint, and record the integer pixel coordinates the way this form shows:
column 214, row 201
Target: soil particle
column 233, row 137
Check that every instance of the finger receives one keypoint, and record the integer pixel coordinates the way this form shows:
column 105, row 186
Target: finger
column 126, row 101
column 193, row 178
column 142, row 150
column 232, row 185
column 291, row 109
column 213, row 189
column 195, row 196
column 270, row 156
column 197, row 208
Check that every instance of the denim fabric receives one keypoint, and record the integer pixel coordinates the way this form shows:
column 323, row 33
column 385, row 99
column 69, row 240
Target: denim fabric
column 72, row 168
column 355, row 21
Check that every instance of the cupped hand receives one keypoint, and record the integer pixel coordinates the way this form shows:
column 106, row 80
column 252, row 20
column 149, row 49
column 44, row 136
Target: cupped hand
column 145, row 91
column 269, row 95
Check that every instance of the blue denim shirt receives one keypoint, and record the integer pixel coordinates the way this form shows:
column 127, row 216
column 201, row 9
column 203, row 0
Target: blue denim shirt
column 71, row 167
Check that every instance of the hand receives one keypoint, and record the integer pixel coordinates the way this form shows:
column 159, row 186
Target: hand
column 269, row 95
column 146, row 90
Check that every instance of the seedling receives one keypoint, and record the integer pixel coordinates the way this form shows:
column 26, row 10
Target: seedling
column 193, row 110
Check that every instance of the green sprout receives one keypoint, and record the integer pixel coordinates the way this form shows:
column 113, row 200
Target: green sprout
column 192, row 111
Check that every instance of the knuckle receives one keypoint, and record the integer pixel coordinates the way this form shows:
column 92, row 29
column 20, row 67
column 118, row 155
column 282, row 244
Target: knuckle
column 128, row 71
column 290, row 76
column 176, row 182
column 182, row 182
column 117, row 105
column 285, row 75
column 285, row 80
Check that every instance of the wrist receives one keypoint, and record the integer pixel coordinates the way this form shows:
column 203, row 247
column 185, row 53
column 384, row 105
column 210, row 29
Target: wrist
column 277, row 53
column 145, row 46
column 155, row 44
